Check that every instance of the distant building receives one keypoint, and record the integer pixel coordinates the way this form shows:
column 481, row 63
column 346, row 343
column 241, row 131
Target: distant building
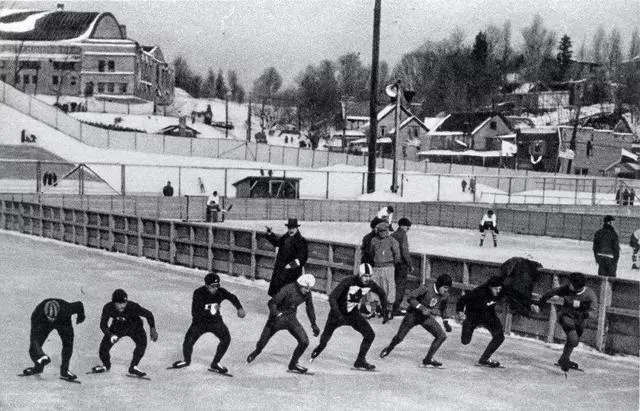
column 81, row 54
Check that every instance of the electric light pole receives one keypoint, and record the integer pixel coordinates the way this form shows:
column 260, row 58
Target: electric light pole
column 373, row 100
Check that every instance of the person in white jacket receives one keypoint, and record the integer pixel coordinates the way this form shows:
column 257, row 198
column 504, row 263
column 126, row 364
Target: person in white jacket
column 490, row 223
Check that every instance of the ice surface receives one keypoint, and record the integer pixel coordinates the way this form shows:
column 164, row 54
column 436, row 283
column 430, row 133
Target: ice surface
column 35, row 268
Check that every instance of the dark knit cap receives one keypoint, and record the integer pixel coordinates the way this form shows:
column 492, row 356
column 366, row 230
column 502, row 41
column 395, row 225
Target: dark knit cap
column 404, row 221
column 375, row 222
column 444, row 279
column 578, row 280
column 119, row 296
column 211, row 278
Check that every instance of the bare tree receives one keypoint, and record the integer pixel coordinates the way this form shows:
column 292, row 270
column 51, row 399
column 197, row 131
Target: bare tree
column 615, row 52
column 634, row 45
column 539, row 44
column 599, row 45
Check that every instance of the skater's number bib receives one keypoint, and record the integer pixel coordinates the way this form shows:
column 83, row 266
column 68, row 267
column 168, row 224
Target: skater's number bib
column 576, row 303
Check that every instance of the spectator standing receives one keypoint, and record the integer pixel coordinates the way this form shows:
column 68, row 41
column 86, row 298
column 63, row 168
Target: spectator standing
column 634, row 242
column 291, row 257
column 606, row 248
column 464, row 185
column 385, row 252
column 167, row 190
column 403, row 267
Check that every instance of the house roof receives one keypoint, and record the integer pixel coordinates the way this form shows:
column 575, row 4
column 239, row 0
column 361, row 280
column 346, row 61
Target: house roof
column 468, row 121
column 608, row 121
column 174, row 127
column 46, row 25
column 520, row 122
column 467, row 153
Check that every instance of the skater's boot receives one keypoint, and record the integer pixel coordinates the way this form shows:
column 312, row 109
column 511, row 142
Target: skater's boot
column 314, row 355
column 385, row 351
column 364, row 365
column 32, row 371
column 180, row 364
column 573, row 365
column 68, row 375
column 99, row 368
column 495, row 243
column 251, row 357
column 489, row 363
column 635, row 266
column 431, row 362
column 134, row 370
column 481, row 242
column 564, row 364
column 219, row 368
column 42, row 361
column 297, row 368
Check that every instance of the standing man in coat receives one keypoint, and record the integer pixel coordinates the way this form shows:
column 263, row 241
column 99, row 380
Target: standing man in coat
column 606, row 248
column 291, row 257
column 402, row 267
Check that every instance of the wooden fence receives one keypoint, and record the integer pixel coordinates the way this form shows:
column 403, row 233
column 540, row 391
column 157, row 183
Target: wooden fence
column 248, row 253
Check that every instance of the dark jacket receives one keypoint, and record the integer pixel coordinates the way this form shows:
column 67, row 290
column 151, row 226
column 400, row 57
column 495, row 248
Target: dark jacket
column 384, row 250
column 365, row 248
column 427, row 296
column 202, row 297
column 167, row 191
column 291, row 250
column 403, row 242
column 126, row 322
column 579, row 306
column 67, row 309
column 346, row 297
column 605, row 241
column 478, row 303
column 520, row 276
column 287, row 301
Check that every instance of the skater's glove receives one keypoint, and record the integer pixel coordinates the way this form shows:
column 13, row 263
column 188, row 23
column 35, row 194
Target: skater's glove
column 154, row 334
column 461, row 316
column 80, row 319
column 241, row 312
column 114, row 339
column 534, row 308
column 385, row 319
column 447, row 327
column 315, row 329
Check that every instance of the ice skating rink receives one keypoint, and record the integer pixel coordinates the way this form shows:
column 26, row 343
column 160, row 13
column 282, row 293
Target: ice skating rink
column 553, row 253
column 33, row 269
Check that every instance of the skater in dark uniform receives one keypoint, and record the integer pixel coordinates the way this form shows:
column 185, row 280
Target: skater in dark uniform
column 579, row 305
column 344, row 301
column 478, row 308
column 282, row 316
column 125, row 322
column 53, row 314
column 424, row 302
column 205, row 310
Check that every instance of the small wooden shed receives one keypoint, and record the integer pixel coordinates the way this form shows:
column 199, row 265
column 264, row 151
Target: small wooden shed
column 267, row 187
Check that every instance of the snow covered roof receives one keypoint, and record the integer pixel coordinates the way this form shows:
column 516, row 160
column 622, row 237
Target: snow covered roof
column 381, row 140
column 433, row 122
column 358, row 118
column 469, row 153
column 31, row 25
column 348, row 133
column 468, row 121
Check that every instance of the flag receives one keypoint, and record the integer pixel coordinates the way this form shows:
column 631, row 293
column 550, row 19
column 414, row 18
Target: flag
column 627, row 156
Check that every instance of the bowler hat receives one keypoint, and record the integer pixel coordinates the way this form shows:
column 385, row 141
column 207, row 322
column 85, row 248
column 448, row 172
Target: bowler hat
column 608, row 218
column 292, row 223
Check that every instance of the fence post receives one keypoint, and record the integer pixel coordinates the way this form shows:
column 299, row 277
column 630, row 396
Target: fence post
column 576, row 194
column 327, row 193
column 254, row 250
column 180, row 182
column 465, row 272
column 605, row 302
column 593, row 191
column 544, row 188
column 509, row 195
column 226, row 170
column 329, row 270
column 438, row 192
column 123, row 186
column 210, row 247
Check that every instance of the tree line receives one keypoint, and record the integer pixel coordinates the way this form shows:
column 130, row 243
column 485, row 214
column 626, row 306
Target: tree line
column 211, row 86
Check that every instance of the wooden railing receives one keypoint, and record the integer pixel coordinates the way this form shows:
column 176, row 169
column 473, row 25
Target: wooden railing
column 247, row 253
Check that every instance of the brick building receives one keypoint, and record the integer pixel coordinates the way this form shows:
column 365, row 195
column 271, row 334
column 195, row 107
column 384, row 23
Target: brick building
column 80, row 54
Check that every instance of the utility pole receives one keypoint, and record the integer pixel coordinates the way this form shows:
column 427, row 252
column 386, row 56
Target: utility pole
column 226, row 114
column 396, row 142
column 249, row 120
column 373, row 115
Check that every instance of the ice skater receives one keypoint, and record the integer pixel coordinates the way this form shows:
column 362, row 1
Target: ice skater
column 490, row 223
column 478, row 308
column 579, row 304
column 126, row 321
column 344, row 301
column 424, row 303
column 205, row 311
column 53, row 314
column 282, row 316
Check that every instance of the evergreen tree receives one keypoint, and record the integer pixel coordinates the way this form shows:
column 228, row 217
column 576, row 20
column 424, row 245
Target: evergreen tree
column 563, row 58
column 237, row 92
column 209, row 85
column 221, row 88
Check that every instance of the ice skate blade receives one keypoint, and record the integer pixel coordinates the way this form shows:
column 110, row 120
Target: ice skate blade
column 138, row 377
column 300, row 373
column 226, row 374
column 69, row 380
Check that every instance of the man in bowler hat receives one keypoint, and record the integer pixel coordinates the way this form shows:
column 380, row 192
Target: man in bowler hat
column 291, row 256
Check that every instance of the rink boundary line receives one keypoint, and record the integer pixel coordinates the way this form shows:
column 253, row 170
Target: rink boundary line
column 263, row 284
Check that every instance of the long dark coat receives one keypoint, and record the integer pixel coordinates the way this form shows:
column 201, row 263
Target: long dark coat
column 289, row 249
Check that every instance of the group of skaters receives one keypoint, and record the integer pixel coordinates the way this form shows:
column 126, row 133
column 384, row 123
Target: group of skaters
column 291, row 287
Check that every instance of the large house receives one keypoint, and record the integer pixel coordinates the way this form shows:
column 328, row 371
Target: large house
column 80, row 54
column 468, row 138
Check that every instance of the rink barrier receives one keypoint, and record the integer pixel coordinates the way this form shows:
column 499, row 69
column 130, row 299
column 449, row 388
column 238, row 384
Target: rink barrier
column 572, row 225
column 248, row 253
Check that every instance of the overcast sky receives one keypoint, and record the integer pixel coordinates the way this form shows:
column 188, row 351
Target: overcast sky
column 250, row 35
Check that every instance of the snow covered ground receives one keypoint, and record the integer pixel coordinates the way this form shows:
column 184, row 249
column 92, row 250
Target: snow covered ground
column 553, row 253
column 530, row 381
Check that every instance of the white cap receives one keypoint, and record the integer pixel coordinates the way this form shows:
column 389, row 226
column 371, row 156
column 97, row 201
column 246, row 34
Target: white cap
column 366, row 269
column 306, row 280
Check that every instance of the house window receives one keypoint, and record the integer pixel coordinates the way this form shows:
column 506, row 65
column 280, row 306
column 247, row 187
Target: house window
column 25, row 79
column 3, row 77
column 2, row 63
column 383, row 129
column 493, row 125
column 110, row 87
column 100, row 87
column 112, row 65
column 589, row 148
column 101, row 65
column 34, row 79
column 73, row 81
column 123, row 88
column 55, row 80
column 63, row 65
